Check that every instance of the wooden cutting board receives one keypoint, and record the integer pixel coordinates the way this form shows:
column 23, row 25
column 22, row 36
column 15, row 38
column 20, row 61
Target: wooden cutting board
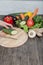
column 14, row 40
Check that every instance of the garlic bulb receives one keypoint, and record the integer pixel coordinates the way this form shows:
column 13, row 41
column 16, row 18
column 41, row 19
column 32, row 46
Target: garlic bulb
column 39, row 31
column 39, row 34
column 31, row 33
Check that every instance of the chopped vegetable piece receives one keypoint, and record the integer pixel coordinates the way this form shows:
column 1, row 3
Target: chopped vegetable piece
column 14, row 32
column 22, row 22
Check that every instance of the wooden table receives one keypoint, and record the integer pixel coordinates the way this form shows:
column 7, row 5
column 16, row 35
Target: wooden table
column 31, row 53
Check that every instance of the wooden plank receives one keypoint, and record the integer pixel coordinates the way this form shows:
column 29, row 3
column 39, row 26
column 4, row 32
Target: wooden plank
column 33, row 52
column 27, row 54
column 40, row 49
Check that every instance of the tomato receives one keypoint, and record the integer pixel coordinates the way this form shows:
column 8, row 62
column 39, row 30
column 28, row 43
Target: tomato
column 30, row 23
column 8, row 19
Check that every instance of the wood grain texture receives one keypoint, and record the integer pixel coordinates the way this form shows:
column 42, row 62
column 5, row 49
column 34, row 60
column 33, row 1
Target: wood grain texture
column 31, row 53
column 13, row 40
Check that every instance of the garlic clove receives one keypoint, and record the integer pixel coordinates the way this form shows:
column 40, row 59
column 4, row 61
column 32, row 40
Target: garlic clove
column 39, row 34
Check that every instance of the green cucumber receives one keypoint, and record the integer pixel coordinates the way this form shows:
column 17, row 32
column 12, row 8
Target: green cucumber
column 9, row 31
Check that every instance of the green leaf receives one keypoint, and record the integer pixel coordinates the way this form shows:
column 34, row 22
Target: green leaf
column 37, row 19
column 38, row 25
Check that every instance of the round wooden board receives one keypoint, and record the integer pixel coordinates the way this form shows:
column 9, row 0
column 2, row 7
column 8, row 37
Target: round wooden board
column 19, row 39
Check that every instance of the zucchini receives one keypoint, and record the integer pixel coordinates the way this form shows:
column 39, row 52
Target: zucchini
column 24, row 27
column 22, row 22
column 9, row 31
column 26, row 18
column 16, row 14
column 14, row 32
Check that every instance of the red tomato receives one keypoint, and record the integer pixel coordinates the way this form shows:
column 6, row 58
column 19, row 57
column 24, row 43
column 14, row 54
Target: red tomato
column 8, row 19
column 30, row 23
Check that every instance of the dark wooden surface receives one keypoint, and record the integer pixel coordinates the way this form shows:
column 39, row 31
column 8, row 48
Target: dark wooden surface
column 31, row 53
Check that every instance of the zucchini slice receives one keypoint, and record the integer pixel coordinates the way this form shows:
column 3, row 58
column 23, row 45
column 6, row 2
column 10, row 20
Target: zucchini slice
column 22, row 22
column 14, row 32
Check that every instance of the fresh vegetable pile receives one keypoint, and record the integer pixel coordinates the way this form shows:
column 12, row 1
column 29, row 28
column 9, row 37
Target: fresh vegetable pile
column 28, row 21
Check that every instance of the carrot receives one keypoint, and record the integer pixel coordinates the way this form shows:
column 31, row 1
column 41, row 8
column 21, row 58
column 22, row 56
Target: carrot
column 34, row 13
column 22, row 16
column 17, row 17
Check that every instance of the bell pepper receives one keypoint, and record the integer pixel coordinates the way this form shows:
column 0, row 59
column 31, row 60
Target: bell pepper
column 28, row 14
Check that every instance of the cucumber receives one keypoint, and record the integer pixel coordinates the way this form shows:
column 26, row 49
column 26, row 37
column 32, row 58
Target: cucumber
column 9, row 31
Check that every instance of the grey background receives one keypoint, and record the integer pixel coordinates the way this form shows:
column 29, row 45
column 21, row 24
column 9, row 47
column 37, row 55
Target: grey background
column 7, row 7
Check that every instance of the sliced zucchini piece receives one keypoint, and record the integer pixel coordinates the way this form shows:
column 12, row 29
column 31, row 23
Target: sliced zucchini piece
column 14, row 32
column 22, row 22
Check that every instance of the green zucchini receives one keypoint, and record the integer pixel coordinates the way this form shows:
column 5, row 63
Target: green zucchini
column 16, row 14
column 24, row 27
column 22, row 22
column 9, row 31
